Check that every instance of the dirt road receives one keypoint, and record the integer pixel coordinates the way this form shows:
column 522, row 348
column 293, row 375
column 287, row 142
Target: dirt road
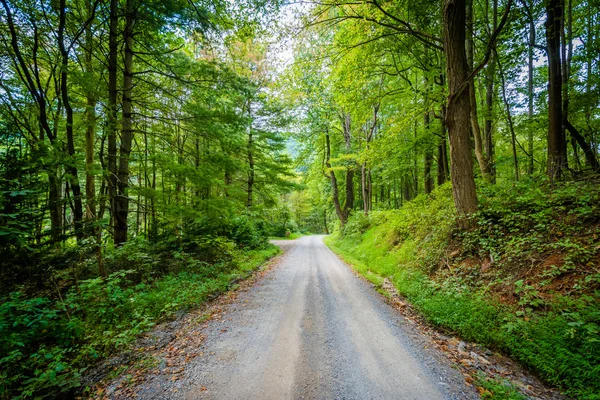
column 312, row 330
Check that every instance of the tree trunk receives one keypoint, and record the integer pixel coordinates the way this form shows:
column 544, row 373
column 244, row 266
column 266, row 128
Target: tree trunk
column 90, row 131
column 349, row 201
column 476, row 130
column 428, row 160
column 566, row 33
column 489, row 100
column 349, row 184
column 588, row 151
column 70, row 167
column 556, row 140
column 334, row 183
column 366, row 183
column 250, row 169
column 365, row 189
column 511, row 126
column 442, row 166
column 111, row 126
column 122, row 203
column 54, row 203
column 459, row 113
column 530, row 92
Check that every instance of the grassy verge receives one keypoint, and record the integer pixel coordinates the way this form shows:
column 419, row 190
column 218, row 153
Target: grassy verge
column 47, row 343
column 556, row 336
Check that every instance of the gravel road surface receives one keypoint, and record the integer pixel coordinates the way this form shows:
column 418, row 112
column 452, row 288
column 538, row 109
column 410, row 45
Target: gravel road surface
column 310, row 329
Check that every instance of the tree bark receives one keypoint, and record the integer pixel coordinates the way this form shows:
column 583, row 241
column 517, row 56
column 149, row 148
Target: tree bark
column 459, row 113
column 250, row 187
column 428, row 160
column 475, row 128
column 556, row 140
column 111, row 126
column 122, row 201
column 442, row 165
column 489, row 100
column 511, row 126
column 90, row 131
column 334, row 184
column 71, row 167
column 366, row 183
column 588, row 151
column 349, row 184
column 530, row 90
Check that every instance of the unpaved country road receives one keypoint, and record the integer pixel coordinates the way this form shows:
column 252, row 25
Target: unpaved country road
column 312, row 330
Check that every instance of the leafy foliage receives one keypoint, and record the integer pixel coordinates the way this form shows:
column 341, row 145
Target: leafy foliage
column 554, row 331
column 47, row 343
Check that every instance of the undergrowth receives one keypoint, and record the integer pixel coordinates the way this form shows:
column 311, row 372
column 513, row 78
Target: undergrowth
column 501, row 284
column 47, row 342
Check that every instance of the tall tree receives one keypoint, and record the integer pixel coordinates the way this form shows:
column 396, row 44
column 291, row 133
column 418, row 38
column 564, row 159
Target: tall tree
column 459, row 110
column 557, row 151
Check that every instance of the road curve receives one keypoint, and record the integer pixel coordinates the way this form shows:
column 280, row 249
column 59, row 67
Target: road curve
column 312, row 330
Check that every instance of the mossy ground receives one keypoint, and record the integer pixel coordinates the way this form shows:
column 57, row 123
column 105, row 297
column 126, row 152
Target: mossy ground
column 494, row 284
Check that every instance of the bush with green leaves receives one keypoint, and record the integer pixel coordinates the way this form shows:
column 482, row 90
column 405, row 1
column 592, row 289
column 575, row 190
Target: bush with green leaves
column 46, row 343
column 558, row 337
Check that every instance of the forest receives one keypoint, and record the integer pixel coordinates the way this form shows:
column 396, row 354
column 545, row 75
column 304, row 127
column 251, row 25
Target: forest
column 149, row 150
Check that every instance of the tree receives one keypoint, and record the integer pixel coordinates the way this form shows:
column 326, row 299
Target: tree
column 459, row 111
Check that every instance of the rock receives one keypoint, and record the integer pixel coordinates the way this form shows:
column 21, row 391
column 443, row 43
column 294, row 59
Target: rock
column 483, row 360
column 462, row 346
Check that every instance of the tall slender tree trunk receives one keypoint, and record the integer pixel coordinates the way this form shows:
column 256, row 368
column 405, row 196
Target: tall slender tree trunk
column 250, row 169
column 566, row 35
column 556, row 140
column 90, row 128
column 443, row 170
column 489, row 100
column 55, row 203
column 428, row 160
column 530, row 92
column 459, row 110
column 111, row 126
column 367, row 186
column 71, row 167
column 122, row 202
column 509, row 119
column 334, row 184
column 475, row 128
column 349, row 184
column 90, row 133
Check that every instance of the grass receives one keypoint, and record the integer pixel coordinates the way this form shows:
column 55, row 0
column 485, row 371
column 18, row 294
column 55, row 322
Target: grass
column 498, row 389
column 46, row 344
column 557, row 337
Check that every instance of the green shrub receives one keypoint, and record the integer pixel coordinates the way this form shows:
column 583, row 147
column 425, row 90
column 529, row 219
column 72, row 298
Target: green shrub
column 46, row 344
column 558, row 338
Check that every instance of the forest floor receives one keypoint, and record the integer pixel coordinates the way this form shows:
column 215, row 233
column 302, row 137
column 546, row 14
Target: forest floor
column 307, row 327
